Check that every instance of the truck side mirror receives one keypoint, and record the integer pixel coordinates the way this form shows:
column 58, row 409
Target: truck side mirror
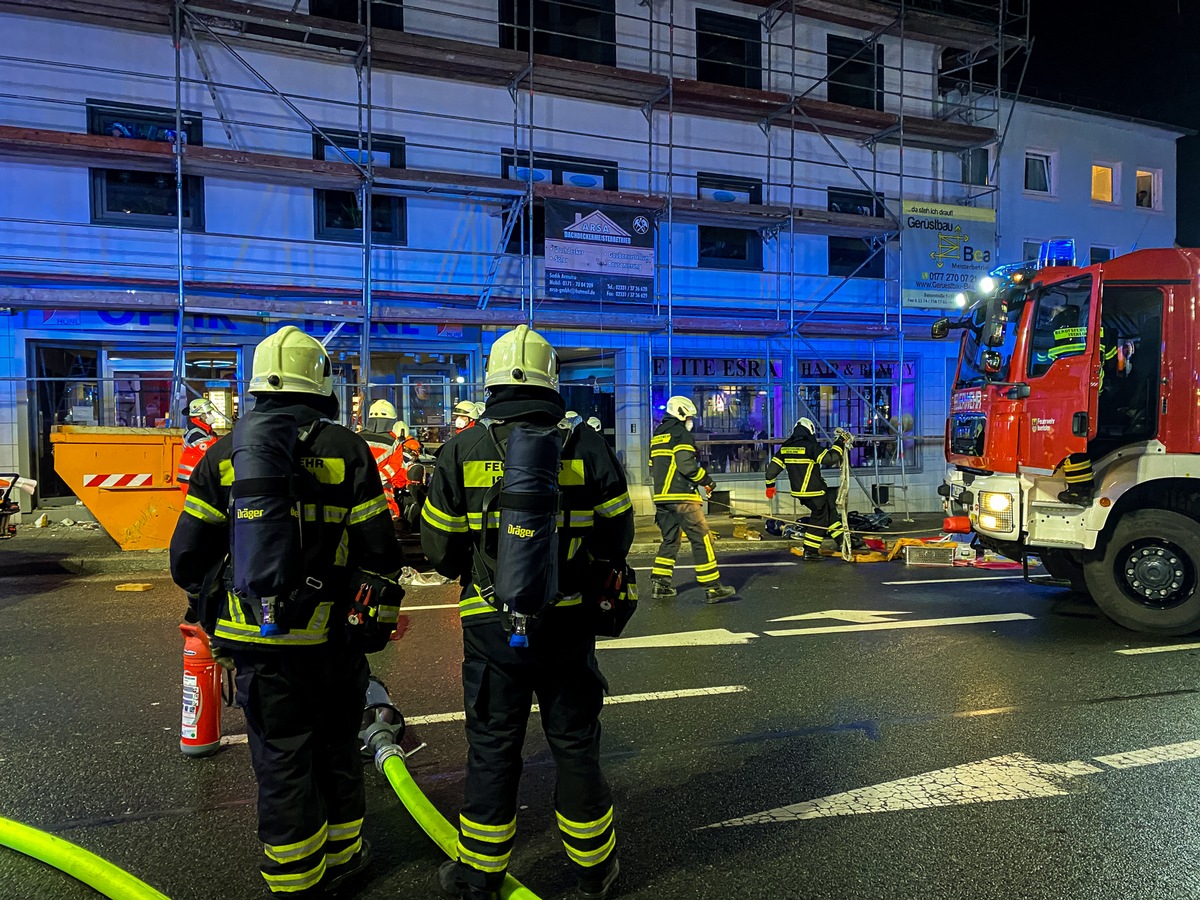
column 1018, row 392
column 991, row 362
column 940, row 328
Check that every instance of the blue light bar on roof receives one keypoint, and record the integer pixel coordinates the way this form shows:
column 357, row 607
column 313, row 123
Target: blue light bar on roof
column 1058, row 252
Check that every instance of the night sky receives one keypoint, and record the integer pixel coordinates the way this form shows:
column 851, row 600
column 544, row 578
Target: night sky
column 1134, row 58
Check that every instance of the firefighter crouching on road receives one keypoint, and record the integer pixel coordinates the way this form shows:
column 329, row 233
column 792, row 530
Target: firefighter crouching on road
column 378, row 435
column 199, row 436
column 559, row 665
column 802, row 457
column 302, row 690
column 677, row 475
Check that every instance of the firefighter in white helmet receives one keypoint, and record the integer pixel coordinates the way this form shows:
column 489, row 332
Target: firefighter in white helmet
column 500, row 680
column 199, row 436
column 678, row 476
column 801, row 457
column 301, row 688
column 378, row 435
column 464, row 416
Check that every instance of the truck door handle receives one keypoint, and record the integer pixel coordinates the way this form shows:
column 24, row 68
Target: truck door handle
column 1079, row 424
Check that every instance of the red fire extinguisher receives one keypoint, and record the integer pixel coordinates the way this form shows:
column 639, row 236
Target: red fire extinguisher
column 201, row 734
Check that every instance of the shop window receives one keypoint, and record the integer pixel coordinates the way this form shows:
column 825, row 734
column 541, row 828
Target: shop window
column 583, row 30
column 65, row 390
column 549, row 169
column 881, row 414
column 1104, row 183
column 338, row 214
column 975, row 165
column 855, row 72
column 1100, row 255
column 144, row 199
column 727, row 247
column 850, row 256
column 384, row 13
column 1149, row 189
column 1039, row 172
column 728, row 49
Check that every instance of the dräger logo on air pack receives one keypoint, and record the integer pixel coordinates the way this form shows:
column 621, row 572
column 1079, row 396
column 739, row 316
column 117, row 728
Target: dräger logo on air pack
column 520, row 531
column 249, row 513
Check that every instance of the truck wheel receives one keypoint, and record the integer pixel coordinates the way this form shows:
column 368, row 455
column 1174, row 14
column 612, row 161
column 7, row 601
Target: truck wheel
column 1146, row 578
column 1064, row 565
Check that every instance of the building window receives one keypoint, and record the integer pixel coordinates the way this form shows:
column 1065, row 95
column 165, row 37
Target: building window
column 384, row 13
column 144, row 199
column 1100, row 255
column 728, row 49
column 1149, row 189
column 855, row 72
column 1030, row 250
column 338, row 215
column 722, row 246
column 549, row 169
column 975, row 165
column 850, row 256
column 584, row 30
column 1038, row 172
column 1103, row 183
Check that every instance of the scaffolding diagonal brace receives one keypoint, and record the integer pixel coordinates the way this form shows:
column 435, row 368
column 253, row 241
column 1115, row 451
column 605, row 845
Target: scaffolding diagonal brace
column 206, row 74
column 511, row 217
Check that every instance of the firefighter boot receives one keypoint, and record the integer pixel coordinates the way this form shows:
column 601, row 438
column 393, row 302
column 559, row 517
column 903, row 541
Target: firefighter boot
column 719, row 592
column 344, row 875
column 451, row 886
column 1079, row 495
column 603, row 886
column 663, row 590
column 811, row 555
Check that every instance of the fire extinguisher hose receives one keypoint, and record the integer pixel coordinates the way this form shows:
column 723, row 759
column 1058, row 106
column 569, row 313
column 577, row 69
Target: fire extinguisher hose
column 434, row 824
column 96, row 873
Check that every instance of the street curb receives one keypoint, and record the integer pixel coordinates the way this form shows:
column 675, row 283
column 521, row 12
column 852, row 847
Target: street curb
column 722, row 545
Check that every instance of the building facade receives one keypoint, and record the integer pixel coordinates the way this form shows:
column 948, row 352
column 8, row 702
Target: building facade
column 769, row 149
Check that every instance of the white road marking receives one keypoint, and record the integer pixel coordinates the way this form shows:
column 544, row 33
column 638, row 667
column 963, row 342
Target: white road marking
column 620, row 698
column 725, row 565
column 912, row 623
column 713, row 637
column 959, row 580
column 1138, row 651
column 1012, row 777
column 861, row 616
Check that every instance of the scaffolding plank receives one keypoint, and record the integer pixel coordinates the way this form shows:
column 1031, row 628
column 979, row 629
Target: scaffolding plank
column 136, row 15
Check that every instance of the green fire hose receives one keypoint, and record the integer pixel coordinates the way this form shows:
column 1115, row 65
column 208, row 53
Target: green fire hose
column 81, row 864
column 391, row 762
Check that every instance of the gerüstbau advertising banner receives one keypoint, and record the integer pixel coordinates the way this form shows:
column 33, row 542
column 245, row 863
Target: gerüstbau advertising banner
column 599, row 252
column 945, row 249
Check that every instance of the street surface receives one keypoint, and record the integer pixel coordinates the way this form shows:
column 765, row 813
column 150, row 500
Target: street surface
column 839, row 731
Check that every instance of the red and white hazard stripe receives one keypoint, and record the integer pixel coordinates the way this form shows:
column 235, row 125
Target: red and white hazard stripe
column 118, row 480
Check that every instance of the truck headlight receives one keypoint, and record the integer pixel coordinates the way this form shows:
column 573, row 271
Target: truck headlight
column 995, row 502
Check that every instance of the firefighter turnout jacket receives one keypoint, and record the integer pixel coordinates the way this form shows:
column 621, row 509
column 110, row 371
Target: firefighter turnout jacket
column 677, row 472
column 355, row 532
column 802, row 457
column 595, row 521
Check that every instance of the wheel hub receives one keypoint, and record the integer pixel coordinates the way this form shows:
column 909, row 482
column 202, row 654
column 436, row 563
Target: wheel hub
column 1157, row 574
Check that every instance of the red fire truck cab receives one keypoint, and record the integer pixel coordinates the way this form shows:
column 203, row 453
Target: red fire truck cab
column 1097, row 364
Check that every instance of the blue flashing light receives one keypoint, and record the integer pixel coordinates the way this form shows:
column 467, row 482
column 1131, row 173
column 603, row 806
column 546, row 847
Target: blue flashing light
column 1001, row 273
column 1058, row 252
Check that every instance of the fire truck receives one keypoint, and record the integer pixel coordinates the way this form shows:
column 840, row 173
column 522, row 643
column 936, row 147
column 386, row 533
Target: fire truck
column 1041, row 392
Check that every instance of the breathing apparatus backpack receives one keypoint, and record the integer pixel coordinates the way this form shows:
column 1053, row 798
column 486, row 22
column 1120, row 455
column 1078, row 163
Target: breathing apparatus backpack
column 269, row 551
column 521, row 581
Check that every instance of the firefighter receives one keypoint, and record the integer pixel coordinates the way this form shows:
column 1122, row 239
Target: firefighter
column 464, row 416
column 379, row 438
column 559, row 665
column 199, row 436
column 801, row 457
column 301, row 690
column 677, row 476
column 403, row 452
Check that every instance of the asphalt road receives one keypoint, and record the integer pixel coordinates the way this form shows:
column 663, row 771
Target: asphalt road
column 854, row 759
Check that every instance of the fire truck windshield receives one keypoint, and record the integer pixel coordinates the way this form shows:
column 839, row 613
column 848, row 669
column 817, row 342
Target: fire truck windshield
column 981, row 337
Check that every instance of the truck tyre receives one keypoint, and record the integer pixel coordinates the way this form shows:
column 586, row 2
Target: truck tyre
column 1064, row 565
column 1146, row 577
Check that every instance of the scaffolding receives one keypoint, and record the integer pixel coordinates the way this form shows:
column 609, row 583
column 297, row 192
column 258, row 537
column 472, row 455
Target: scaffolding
column 653, row 55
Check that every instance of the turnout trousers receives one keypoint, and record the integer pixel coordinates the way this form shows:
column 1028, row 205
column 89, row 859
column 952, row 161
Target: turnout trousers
column 499, row 685
column 671, row 519
column 303, row 711
column 824, row 521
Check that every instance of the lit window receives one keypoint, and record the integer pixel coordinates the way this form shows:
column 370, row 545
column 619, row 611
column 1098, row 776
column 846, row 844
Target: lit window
column 1148, row 189
column 1102, row 184
column 1037, row 173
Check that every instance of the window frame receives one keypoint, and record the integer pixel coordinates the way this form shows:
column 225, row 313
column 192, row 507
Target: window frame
column 1111, row 250
column 968, row 167
column 558, row 165
column 193, row 185
column 877, row 268
column 397, row 5
column 712, row 181
column 1114, row 169
column 512, row 16
column 1156, row 176
column 1051, row 159
column 1037, row 247
column 393, row 145
column 711, row 24
column 834, row 67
